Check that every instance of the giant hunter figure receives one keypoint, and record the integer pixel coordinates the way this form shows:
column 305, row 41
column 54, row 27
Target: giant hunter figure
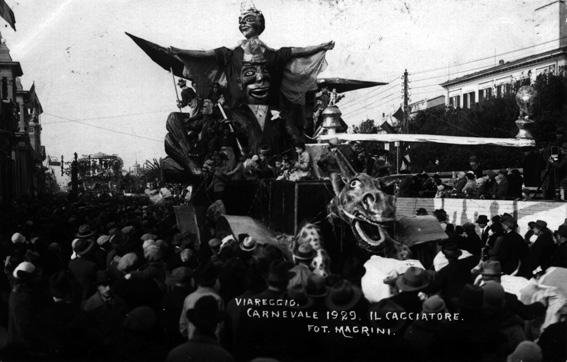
column 258, row 80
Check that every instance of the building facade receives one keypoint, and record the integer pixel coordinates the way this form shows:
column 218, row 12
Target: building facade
column 21, row 151
column 549, row 56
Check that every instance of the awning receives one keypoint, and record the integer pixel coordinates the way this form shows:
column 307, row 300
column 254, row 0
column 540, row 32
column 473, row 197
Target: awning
column 427, row 138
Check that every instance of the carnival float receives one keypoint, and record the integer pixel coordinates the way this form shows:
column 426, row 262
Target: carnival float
column 264, row 104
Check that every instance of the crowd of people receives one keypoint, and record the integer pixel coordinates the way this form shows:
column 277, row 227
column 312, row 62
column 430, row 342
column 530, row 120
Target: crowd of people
column 114, row 279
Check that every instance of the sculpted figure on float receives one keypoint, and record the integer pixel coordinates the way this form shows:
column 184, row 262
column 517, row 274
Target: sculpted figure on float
column 261, row 84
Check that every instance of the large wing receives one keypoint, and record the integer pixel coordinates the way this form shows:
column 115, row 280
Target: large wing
column 300, row 76
column 345, row 85
column 160, row 55
column 204, row 71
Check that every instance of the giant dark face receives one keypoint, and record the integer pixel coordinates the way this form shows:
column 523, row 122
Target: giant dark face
column 251, row 23
column 255, row 80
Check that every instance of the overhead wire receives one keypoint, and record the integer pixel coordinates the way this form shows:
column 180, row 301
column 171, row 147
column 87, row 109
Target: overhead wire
column 489, row 57
column 124, row 115
column 104, row 128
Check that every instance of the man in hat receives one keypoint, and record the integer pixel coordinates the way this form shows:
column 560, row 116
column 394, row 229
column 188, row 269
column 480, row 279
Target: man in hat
column 450, row 280
column 205, row 316
column 61, row 321
column 470, row 241
column 82, row 268
column 510, row 249
column 422, row 336
column 409, row 284
column 207, row 284
column 560, row 256
column 22, row 309
column 543, row 249
column 491, row 271
column 267, row 335
column 180, row 285
column 482, row 222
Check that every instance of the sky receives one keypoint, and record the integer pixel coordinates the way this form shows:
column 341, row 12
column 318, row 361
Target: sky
column 100, row 92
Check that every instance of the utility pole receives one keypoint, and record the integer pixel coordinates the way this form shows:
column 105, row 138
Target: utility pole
column 405, row 120
column 406, row 103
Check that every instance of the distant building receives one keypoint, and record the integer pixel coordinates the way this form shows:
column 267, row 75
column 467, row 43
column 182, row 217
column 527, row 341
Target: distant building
column 21, row 151
column 550, row 57
column 426, row 104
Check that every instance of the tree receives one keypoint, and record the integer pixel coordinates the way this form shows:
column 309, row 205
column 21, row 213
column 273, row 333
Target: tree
column 491, row 118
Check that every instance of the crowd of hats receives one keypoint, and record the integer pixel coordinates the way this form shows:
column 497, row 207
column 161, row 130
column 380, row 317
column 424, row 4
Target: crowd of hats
column 133, row 252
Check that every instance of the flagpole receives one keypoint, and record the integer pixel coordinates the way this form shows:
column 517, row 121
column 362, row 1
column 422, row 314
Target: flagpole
column 175, row 87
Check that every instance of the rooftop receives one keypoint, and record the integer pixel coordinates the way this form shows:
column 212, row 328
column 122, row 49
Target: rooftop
column 507, row 66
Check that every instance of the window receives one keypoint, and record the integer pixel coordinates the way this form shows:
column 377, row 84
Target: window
column 465, row 100
column 4, row 88
column 488, row 92
column 471, row 99
column 480, row 95
column 455, row 101
column 499, row 91
column 507, row 88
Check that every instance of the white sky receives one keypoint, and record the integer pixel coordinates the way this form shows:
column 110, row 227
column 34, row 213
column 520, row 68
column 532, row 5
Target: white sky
column 85, row 67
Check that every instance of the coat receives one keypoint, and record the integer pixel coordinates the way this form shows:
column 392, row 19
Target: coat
column 450, row 280
column 84, row 272
column 542, row 251
column 22, row 313
column 509, row 250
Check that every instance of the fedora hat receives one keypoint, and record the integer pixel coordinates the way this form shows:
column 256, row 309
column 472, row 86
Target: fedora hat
column 24, row 270
column 540, row 224
column 413, row 279
column 247, row 243
column 148, row 236
column 206, row 313
column 343, row 296
column 84, row 231
column 450, row 249
column 82, row 246
column 482, row 219
column 491, row 268
column 508, row 220
column 434, row 304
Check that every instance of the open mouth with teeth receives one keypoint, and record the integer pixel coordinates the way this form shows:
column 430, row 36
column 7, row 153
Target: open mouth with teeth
column 259, row 93
column 369, row 231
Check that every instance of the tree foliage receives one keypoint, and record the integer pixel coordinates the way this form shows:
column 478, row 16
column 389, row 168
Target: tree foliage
column 491, row 118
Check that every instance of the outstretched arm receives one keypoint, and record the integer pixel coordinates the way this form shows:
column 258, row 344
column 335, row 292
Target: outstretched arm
column 307, row 51
column 186, row 53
